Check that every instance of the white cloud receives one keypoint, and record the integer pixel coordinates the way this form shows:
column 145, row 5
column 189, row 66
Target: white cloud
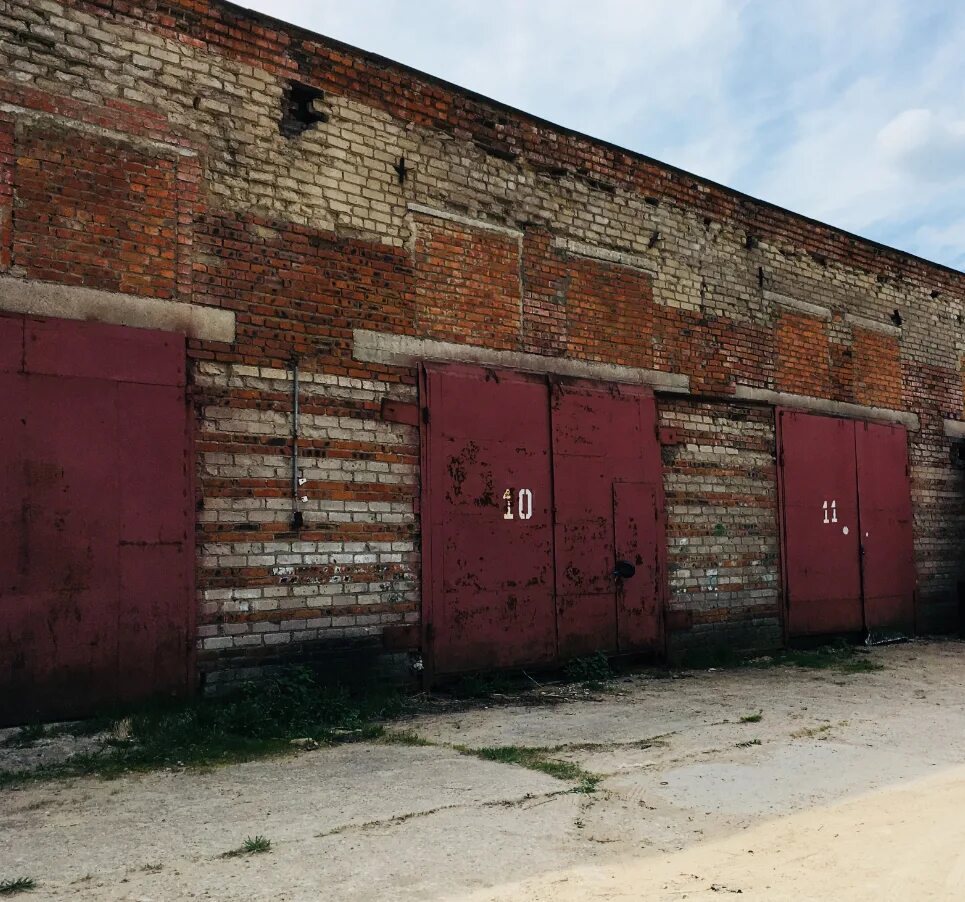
column 928, row 146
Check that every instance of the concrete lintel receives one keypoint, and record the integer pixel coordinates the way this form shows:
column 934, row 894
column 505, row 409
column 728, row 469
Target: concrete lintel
column 606, row 254
column 406, row 350
column 104, row 132
column 824, row 406
column 873, row 325
column 465, row 220
column 954, row 429
column 75, row 302
column 783, row 300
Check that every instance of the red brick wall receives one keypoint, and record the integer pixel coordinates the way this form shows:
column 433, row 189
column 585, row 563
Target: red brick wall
column 877, row 368
column 6, row 190
column 178, row 185
column 803, row 360
column 95, row 212
column 466, row 286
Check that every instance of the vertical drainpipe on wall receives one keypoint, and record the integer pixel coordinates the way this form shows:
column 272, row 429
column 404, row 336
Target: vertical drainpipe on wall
column 297, row 519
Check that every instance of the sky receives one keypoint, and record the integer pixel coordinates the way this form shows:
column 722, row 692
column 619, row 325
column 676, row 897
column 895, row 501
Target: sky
column 848, row 111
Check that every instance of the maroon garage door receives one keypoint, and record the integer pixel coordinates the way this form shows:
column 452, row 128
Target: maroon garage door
column 535, row 492
column 848, row 547
column 95, row 517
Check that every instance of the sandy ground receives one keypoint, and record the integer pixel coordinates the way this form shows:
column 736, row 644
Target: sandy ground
column 856, row 791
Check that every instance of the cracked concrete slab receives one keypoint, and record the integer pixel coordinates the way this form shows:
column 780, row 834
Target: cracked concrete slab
column 683, row 772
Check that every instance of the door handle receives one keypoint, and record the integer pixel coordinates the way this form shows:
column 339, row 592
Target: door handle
column 623, row 570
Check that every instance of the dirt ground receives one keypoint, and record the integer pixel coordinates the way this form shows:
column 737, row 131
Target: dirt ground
column 848, row 786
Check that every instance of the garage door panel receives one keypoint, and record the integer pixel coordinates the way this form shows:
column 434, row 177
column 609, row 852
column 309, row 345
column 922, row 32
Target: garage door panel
column 491, row 557
column 93, row 458
column 13, row 497
column 513, row 580
column 886, row 527
column 152, row 484
column 639, row 542
column 586, row 624
column 153, row 640
column 462, row 398
column 587, row 548
column 601, row 437
column 820, row 502
column 56, row 347
column 487, row 557
column 476, row 474
column 498, row 629
column 11, row 344
column 592, row 420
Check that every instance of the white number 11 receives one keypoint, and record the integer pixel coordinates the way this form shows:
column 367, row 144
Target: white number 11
column 834, row 512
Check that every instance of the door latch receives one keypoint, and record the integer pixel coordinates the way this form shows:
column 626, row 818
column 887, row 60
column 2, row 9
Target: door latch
column 623, row 570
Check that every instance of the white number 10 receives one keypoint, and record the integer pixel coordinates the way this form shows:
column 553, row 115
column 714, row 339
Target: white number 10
column 524, row 504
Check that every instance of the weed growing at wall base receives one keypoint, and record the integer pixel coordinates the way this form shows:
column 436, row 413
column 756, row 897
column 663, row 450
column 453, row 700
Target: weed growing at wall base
column 260, row 719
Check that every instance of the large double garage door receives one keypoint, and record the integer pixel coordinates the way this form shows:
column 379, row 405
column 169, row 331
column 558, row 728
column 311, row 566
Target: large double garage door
column 96, row 517
column 543, row 510
column 543, row 519
column 848, row 546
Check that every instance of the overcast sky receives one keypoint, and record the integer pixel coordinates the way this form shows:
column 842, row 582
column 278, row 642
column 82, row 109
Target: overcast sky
column 850, row 111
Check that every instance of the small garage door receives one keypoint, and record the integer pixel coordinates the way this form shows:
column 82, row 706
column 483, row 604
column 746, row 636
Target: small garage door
column 95, row 517
column 534, row 493
column 847, row 531
column 606, row 478
column 488, row 528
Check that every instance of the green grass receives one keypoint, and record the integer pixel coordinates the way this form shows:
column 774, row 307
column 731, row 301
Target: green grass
column 593, row 670
column 753, row 718
column 17, row 885
column 537, row 758
column 839, row 657
column 253, row 845
column 403, row 737
column 260, row 719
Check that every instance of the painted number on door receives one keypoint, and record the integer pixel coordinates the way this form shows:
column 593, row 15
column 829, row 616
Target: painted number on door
column 831, row 509
column 524, row 504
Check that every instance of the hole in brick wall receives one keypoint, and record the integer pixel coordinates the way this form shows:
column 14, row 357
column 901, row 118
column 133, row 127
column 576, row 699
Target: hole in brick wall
column 896, row 318
column 958, row 455
column 750, row 242
column 299, row 109
column 401, row 170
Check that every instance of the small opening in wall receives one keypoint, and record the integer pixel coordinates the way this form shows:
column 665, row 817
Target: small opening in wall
column 299, row 109
column 958, row 455
column 896, row 318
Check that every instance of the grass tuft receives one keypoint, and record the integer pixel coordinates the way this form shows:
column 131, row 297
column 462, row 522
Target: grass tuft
column 253, row 845
column 753, row 718
column 593, row 670
column 259, row 719
column 537, row 759
column 839, row 656
column 16, row 885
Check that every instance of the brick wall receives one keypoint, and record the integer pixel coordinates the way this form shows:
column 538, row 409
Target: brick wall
column 141, row 151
